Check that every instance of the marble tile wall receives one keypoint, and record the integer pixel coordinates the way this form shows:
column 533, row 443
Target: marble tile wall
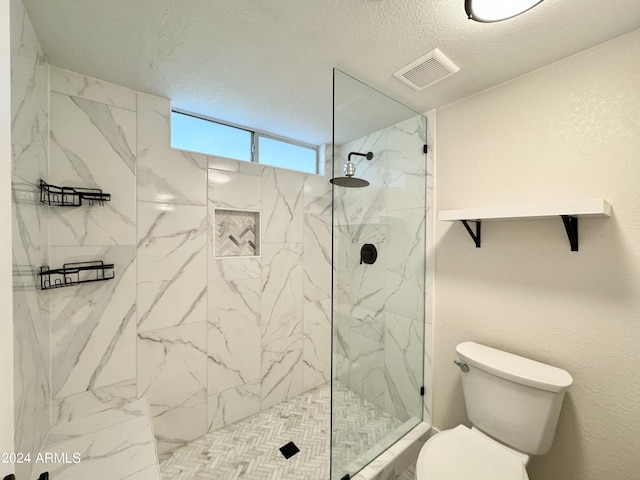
column 93, row 139
column 172, row 231
column 115, row 443
column 29, row 125
column 269, row 315
column 206, row 340
column 380, row 308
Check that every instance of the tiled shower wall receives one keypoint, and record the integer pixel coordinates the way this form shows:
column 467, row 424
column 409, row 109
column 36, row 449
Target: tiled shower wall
column 30, row 125
column 380, row 308
column 207, row 341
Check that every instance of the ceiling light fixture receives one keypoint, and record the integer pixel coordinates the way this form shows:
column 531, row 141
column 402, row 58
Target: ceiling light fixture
column 495, row 10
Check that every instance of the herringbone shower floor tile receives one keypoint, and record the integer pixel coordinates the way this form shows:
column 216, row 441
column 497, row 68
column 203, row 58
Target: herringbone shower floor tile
column 249, row 449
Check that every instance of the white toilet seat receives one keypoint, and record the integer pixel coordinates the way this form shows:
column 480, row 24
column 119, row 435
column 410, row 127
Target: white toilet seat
column 462, row 454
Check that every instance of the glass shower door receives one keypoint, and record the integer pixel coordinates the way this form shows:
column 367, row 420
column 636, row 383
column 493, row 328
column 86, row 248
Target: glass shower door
column 378, row 273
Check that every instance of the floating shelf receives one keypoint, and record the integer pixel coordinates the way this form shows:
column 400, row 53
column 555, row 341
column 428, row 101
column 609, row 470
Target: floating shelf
column 568, row 211
column 71, row 196
column 75, row 274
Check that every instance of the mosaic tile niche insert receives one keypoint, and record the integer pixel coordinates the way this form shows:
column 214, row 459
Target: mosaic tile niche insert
column 237, row 233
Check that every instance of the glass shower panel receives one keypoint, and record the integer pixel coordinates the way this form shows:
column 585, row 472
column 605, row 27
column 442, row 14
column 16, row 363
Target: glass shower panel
column 378, row 273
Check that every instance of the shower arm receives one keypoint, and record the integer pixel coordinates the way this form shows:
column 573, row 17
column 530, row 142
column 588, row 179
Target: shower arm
column 368, row 155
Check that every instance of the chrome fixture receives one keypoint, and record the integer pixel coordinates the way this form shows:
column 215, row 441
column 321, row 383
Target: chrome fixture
column 463, row 366
column 350, row 170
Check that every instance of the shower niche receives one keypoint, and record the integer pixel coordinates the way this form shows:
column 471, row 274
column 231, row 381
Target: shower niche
column 236, row 233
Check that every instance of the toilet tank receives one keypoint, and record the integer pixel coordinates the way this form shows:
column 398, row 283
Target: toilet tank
column 511, row 398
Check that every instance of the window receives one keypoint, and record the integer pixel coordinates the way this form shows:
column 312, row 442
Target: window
column 197, row 134
column 280, row 153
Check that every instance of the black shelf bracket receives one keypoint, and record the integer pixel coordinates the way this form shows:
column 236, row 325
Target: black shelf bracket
column 74, row 274
column 71, row 196
column 474, row 235
column 571, row 226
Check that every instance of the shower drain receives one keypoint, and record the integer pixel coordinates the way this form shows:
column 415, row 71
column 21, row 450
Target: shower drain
column 289, row 450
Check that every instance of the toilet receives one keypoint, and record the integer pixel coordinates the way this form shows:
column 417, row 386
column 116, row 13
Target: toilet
column 513, row 404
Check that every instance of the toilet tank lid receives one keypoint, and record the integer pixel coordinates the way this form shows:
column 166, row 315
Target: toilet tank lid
column 514, row 367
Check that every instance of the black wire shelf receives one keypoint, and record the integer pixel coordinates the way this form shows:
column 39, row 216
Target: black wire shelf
column 74, row 274
column 71, row 196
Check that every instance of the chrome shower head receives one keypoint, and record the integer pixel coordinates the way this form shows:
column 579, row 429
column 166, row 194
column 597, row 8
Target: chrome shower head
column 350, row 170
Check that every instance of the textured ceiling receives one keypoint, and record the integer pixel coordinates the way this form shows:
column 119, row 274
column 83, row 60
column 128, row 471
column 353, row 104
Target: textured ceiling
column 267, row 64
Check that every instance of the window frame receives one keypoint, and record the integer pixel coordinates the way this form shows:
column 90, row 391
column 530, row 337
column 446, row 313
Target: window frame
column 255, row 139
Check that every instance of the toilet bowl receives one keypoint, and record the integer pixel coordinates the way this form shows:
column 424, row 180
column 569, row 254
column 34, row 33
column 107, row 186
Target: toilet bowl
column 462, row 453
column 513, row 404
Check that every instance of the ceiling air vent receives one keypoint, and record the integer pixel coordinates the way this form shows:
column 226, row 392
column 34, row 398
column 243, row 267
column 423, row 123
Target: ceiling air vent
column 426, row 70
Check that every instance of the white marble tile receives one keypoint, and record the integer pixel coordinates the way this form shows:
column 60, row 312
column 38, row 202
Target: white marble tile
column 32, row 366
column 281, row 370
column 30, row 225
column 164, row 174
column 341, row 328
column 340, row 349
column 367, row 323
column 366, row 367
column 406, row 185
column 251, row 168
column 233, row 354
column 356, row 207
column 150, row 473
column 81, row 405
column 345, row 258
column 233, row 405
column 317, row 257
column 78, row 85
column 223, row 164
column 230, row 269
column 326, row 160
column 29, row 143
column 172, row 265
column 93, row 146
column 235, row 190
column 115, row 452
column 317, row 195
column 29, row 110
column 93, row 324
column 282, row 291
column 24, row 40
column 316, row 348
column 403, row 361
column 405, row 262
column 32, row 383
column 172, row 376
column 80, row 427
column 282, row 206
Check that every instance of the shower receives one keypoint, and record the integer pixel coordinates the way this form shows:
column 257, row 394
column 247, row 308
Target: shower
column 350, row 170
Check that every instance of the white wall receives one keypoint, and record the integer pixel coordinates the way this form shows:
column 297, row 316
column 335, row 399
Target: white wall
column 6, row 319
column 568, row 131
